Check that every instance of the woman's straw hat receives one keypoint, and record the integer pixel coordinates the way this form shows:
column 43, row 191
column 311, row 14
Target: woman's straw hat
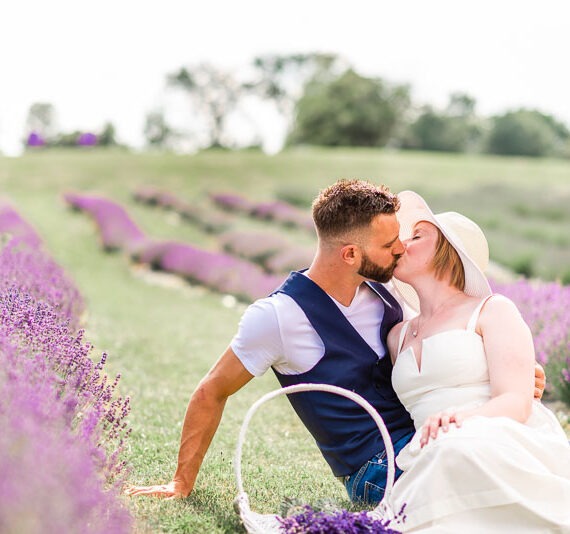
column 461, row 232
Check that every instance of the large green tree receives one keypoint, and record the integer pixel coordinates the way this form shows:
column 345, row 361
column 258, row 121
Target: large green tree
column 349, row 110
column 157, row 132
column 282, row 78
column 527, row 132
column 455, row 129
column 107, row 137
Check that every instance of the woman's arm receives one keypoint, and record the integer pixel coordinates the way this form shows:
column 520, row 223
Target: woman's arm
column 510, row 357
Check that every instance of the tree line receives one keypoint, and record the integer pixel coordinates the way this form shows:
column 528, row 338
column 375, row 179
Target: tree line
column 325, row 101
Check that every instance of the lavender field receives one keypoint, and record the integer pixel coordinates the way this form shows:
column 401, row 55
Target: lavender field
column 154, row 257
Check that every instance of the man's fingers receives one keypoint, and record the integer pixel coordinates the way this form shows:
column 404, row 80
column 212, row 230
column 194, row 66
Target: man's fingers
column 538, row 393
column 150, row 491
column 134, row 490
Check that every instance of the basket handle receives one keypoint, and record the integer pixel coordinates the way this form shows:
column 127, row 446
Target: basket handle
column 330, row 389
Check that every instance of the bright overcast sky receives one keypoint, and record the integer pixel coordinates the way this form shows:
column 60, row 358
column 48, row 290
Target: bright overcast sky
column 107, row 60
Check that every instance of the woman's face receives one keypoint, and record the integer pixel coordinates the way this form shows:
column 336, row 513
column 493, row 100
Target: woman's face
column 420, row 251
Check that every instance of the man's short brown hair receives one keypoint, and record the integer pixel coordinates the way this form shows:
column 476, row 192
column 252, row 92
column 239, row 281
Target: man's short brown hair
column 349, row 205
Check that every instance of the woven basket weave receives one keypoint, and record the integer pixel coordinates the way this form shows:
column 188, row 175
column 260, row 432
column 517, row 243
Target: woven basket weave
column 269, row 523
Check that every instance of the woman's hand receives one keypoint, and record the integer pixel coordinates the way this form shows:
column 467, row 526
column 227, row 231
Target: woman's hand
column 430, row 428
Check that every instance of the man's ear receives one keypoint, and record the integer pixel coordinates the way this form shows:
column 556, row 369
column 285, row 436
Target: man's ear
column 350, row 254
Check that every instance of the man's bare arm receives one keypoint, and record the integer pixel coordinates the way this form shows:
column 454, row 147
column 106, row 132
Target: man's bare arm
column 201, row 421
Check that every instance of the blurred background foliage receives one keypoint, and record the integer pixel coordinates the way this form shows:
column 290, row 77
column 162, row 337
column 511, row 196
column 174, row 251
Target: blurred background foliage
column 324, row 101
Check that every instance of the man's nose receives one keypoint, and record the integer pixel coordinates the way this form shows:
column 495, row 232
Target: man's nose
column 399, row 248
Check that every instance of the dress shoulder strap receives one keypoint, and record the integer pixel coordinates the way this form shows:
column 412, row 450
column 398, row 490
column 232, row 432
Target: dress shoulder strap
column 475, row 315
column 403, row 335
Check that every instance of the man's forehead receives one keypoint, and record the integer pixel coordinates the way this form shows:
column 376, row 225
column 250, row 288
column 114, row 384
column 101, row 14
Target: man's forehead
column 386, row 226
column 386, row 220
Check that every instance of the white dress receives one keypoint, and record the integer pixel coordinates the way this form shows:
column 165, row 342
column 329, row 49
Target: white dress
column 492, row 474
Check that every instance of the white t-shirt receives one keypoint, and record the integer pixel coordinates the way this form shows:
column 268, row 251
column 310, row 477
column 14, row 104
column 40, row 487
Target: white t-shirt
column 275, row 332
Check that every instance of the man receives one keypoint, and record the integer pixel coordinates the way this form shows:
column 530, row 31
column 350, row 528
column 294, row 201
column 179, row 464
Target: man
column 325, row 325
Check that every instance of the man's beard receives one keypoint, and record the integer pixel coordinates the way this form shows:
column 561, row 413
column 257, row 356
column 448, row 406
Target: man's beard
column 372, row 271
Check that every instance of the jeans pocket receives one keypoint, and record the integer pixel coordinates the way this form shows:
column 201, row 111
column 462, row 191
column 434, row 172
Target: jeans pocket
column 369, row 483
column 373, row 494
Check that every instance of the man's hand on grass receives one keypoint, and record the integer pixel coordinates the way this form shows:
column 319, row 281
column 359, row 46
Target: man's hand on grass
column 172, row 490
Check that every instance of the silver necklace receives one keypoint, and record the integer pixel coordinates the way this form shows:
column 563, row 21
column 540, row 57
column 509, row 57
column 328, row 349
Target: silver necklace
column 417, row 328
column 415, row 332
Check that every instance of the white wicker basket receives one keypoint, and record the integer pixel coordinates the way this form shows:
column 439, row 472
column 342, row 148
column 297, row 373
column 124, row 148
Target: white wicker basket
column 268, row 523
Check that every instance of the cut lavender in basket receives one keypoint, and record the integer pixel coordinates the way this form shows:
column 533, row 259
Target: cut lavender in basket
column 311, row 521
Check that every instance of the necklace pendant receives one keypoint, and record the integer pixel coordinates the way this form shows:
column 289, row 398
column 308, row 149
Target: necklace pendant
column 414, row 333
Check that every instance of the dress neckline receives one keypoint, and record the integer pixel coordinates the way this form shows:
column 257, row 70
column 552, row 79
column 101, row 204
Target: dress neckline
column 419, row 365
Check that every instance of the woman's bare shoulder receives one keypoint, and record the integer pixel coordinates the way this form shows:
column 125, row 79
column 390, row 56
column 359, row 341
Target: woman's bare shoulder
column 498, row 304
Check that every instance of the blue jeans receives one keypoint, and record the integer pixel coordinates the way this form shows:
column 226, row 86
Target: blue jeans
column 367, row 485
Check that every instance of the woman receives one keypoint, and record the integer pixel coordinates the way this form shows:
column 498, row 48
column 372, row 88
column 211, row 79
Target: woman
column 485, row 457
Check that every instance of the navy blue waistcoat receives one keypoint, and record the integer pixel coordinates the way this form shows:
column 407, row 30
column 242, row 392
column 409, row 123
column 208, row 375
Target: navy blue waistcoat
column 346, row 435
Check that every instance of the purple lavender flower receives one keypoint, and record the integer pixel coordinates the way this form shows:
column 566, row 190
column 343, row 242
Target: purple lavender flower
column 290, row 259
column 87, row 139
column 13, row 224
column 31, row 270
column 221, row 272
column 232, row 202
column 41, row 489
column 116, row 229
column 35, row 140
column 54, row 399
column 544, row 307
column 206, row 219
column 258, row 247
column 339, row 522
column 277, row 210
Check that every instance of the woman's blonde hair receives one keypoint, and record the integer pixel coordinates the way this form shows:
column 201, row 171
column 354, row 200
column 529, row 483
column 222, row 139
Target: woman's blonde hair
column 447, row 261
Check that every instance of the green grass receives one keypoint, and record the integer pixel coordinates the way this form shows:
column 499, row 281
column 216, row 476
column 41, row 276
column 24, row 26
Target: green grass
column 162, row 336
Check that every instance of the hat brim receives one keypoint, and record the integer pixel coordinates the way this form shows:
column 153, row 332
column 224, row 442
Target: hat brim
column 413, row 209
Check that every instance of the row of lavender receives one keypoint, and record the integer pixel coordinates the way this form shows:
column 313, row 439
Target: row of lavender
column 63, row 423
column 270, row 249
column 219, row 271
column 276, row 210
